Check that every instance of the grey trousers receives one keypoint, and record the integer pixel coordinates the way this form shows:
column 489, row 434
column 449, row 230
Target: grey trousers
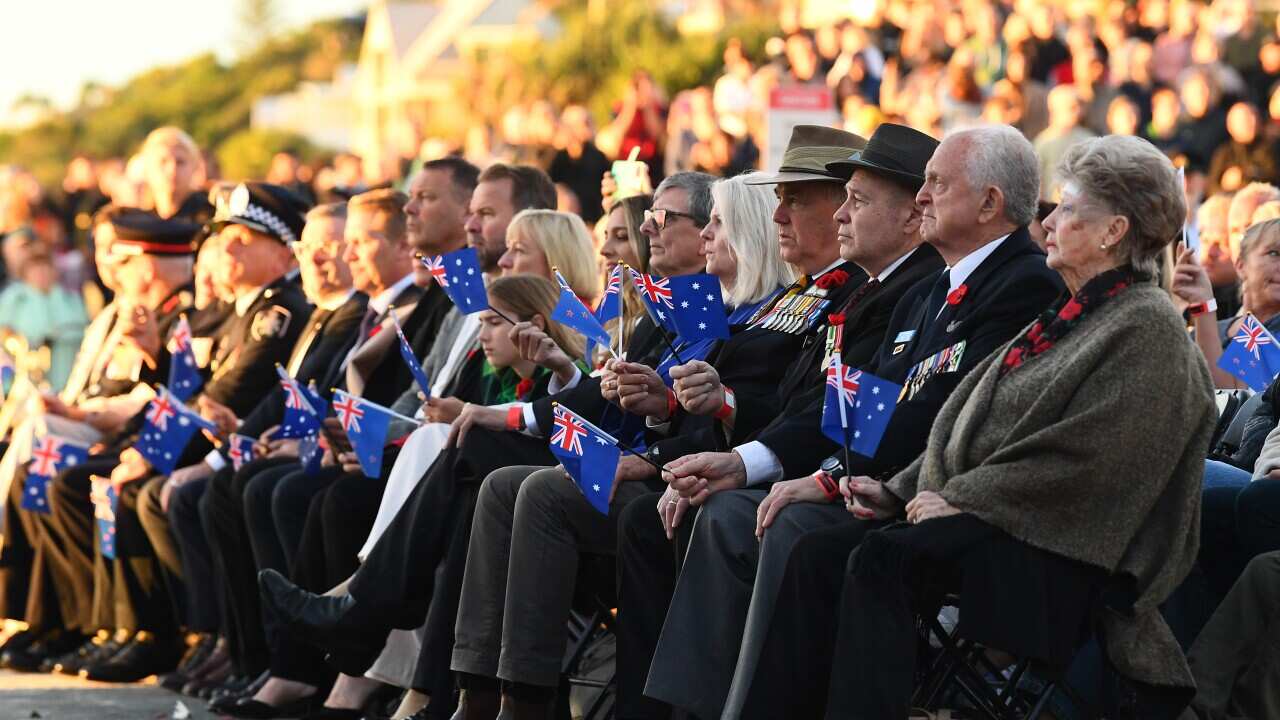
column 1236, row 659
column 724, row 600
column 517, row 591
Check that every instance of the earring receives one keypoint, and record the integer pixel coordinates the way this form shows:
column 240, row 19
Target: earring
column 1103, row 246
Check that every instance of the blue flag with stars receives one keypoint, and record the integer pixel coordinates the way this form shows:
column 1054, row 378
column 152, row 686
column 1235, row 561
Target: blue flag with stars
column 169, row 426
column 611, row 306
column 857, row 408
column 240, row 450
column 105, row 499
column 588, row 454
column 698, row 310
column 50, row 456
column 301, row 409
column 571, row 312
column 365, row 424
column 655, row 293
column 458, row 274
column 184, row 373
column 1252, row 355
column 411, row 360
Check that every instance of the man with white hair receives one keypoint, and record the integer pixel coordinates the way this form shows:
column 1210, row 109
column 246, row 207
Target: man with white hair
column 978, row 197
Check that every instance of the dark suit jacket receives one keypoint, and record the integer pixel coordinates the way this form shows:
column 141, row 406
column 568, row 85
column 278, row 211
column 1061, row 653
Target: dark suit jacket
column 390, row 377
column 795, row 436
column 336, row 331
column 1005, row 294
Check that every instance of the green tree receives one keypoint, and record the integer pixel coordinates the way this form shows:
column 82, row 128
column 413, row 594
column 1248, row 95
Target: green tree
column 247, row 154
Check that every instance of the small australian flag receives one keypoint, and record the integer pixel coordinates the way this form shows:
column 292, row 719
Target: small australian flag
column 184, row 374
column 365, row 424
column 411, row 360
column 611, row 305
column 50, row 456
column 1252, row 354
column 588, row 454
column 104, row 497
column 168, row 429
column 301, row 412
column 458, row 273
column 240, row 450
column 655, row 292
column 857, row 407
column 571, row 312
column 698, row 310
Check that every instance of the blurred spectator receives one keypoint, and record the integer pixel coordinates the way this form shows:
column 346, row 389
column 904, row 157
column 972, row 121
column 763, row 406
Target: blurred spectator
column 1171, row 53
column 1162, row 130
column 172, row 165
column 1243, row 204
column 579, row 164
column 1034, row 94
column 45, row 314
column 1048, row 50
column 1247, row 157
column 286, row 170
column 1123, row 116
column 1216, row 253
column 639, row 124
column 959, row 97
column 1203, row 126
column 81, row 198
column 1064, row 131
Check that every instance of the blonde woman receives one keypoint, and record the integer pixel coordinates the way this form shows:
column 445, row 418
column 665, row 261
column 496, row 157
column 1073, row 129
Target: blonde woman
column 539, row 240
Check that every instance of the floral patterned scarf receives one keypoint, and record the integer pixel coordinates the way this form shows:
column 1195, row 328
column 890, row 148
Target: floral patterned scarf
column 1067, row 313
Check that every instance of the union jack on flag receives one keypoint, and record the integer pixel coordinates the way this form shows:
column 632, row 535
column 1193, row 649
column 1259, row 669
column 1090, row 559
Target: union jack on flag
column 50, row 456
column 611, row 306
column 569, row 431
column 435, row 265
column 1252, row 355
column 845, row 381
column 160, row 410
column 349, row 412
column 654, row 289
column 1253, row 333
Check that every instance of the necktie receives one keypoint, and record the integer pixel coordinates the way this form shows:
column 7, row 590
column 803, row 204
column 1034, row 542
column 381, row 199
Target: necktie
column 938, row 296
column 860, row 293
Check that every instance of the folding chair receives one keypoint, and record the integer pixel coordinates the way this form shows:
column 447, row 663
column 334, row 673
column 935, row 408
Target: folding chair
column 590, row 622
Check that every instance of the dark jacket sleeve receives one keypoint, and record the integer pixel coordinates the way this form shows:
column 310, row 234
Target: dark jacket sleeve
column 253, row 375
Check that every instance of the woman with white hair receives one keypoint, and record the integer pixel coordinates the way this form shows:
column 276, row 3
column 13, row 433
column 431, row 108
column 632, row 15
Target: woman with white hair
column 531, row 524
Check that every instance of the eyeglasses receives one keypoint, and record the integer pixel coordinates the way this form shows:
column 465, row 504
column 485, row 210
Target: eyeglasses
column 659, row 217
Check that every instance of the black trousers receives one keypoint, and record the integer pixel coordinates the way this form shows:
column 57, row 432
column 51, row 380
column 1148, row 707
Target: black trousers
column 202, row 597
column 338, row 520
column 795, row 664
column 65, row 541
column 648, row 566
column 222, row 517
column 144, row 596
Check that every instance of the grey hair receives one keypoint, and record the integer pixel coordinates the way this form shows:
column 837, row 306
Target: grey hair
column 1001, row 157
column 698, row 186
column 1132, row 178
column 747, row 214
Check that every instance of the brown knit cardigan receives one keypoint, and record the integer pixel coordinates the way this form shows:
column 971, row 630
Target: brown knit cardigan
column 1093, row 450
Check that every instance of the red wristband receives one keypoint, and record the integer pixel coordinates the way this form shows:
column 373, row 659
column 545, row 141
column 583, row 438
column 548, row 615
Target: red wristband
column 672, row 404
column 515, row 417
column 830, row 489
column 730, row 404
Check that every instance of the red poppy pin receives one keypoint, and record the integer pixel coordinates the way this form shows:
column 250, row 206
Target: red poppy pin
column 833, row 279
column 523, row 387
column 1071, row 310
column 955, row 296
column 835, row 319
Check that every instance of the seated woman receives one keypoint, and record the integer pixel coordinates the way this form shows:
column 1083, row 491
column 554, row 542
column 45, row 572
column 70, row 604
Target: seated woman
column 1259, row 273
column 531, row 523
column 497, row 374
column 1067, row 463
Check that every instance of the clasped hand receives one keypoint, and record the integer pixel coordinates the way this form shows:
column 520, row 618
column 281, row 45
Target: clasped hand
column 698, row 388
column 640, row 390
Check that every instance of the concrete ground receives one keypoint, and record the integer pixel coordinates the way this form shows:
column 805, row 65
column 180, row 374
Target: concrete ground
column 58, row 697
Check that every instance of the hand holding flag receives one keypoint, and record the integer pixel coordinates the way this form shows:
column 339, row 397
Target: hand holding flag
column 1253, row 355
column 240, row 450
column 365, row 424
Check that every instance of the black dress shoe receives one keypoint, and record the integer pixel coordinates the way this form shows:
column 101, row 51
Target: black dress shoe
column 51, row 644
column 143, row 656
column 70, row 662
column 250, row 708
column 224, row 699
column 18, row 641
column 329, row 622
column 197, row 652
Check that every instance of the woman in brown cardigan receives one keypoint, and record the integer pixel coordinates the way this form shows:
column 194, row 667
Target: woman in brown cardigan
column 1060, row 489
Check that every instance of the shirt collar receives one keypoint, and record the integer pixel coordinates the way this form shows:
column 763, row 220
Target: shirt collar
column 244, row 301
column 335, row 301
column 386, row 297
column 884, row 274
column 827, row 269
column 965, row 267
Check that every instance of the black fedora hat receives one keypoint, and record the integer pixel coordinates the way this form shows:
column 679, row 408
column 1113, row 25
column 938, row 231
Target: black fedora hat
column 895, row 151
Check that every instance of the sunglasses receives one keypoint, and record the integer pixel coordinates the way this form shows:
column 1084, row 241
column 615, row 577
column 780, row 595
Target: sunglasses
column 659, row 217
